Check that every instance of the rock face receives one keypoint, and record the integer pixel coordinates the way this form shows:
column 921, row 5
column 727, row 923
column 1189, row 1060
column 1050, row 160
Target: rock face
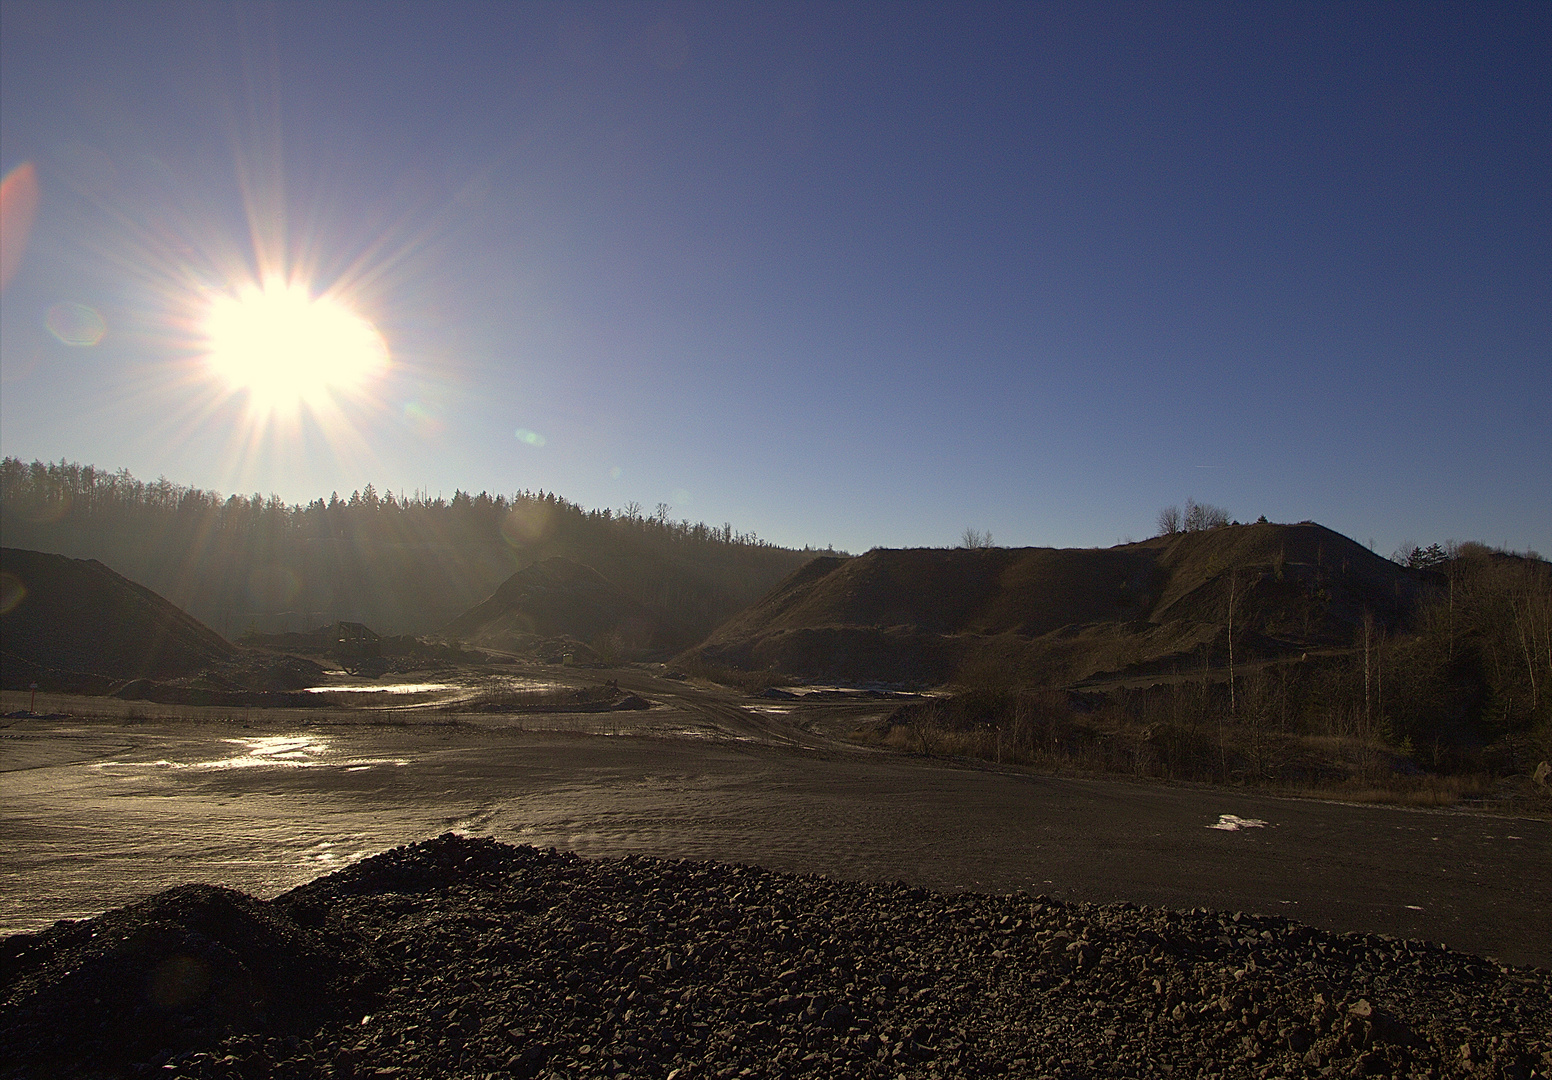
column 460, row 957
column 916, row 616
column 76, row 615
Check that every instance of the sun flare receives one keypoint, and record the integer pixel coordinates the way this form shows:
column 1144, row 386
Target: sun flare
column 285, row 349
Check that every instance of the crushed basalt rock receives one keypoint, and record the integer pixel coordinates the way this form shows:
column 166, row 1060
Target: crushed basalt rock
column 462, row 957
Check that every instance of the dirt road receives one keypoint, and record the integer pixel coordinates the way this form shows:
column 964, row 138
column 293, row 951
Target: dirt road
column 97, row 812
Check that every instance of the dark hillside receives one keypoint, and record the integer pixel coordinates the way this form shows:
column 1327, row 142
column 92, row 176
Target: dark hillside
column 988, row 591
column 77, row 615
column 400, row 564
column 1065, row 614
column 558, row 597
column 1283, row 654
column 1045, row 589
column 1301, row 581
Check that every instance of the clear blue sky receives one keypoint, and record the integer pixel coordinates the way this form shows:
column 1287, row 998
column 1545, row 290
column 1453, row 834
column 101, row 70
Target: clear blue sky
column 838, row 274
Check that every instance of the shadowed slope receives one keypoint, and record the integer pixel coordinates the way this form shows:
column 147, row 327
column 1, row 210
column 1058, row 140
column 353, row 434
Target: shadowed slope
column 401, row 565
column 77, row 615
column 1290, row 572
column 1063, row 614
column 989, row 591
column 554, row 598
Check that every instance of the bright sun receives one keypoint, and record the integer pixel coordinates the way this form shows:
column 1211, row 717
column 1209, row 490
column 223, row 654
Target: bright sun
column 286, row 349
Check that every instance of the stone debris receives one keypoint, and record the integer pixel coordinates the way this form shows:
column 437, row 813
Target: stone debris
column 462, row 957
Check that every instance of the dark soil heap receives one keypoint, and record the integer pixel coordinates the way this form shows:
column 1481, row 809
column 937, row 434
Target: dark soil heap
column 558, row 597
column 919, row 616
column 462, row 957
column 76, row 615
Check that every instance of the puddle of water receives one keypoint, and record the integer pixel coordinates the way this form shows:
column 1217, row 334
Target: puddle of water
column 384, row 688
column 266, row 751
column 1235, row 823
column 859, row 690
column 434, row 687
column 708, row 734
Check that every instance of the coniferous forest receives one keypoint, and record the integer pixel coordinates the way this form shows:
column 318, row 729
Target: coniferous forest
column 400, row 563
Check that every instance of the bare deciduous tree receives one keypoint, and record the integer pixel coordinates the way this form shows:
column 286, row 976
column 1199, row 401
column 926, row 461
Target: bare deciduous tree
column 975, row 539
column 1200, row 517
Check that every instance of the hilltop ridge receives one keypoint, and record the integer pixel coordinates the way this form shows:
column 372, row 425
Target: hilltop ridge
column 918, row 615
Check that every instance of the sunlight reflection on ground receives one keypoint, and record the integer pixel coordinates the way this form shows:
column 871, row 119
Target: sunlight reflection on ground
column 267, row 751
column 385, row 688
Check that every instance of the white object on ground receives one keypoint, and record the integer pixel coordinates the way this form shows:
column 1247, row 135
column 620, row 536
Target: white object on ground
column 1234, row 823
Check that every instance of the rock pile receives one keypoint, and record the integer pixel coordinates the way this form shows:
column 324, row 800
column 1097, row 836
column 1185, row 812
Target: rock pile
column 468, row 958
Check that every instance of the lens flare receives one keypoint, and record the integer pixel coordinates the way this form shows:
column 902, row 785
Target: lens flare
column 268, row 346
column 527, row 524
column 424, row 419
column 76, row 325
column 285, row 348
column 12, row 592
column 532, row 438
column 18, row 209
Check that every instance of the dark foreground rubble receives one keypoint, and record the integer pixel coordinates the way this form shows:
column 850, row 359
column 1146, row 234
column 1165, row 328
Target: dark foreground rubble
column 465, row 957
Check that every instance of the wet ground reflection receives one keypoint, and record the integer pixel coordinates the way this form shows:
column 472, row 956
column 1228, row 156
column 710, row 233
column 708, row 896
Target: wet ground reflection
column 383, row 688
column 98, row 812
column 269, row 752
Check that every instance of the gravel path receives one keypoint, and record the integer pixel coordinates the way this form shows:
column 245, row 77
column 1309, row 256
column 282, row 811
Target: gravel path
column 465, row 957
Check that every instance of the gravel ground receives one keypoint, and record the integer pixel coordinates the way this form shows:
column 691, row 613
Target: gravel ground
column 463, row 957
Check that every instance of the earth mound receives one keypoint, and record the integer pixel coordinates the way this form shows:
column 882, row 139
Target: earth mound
column 1063, row 615
column 265, row 671
column 78, row 616
column 468, row 957
column 557, row 598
